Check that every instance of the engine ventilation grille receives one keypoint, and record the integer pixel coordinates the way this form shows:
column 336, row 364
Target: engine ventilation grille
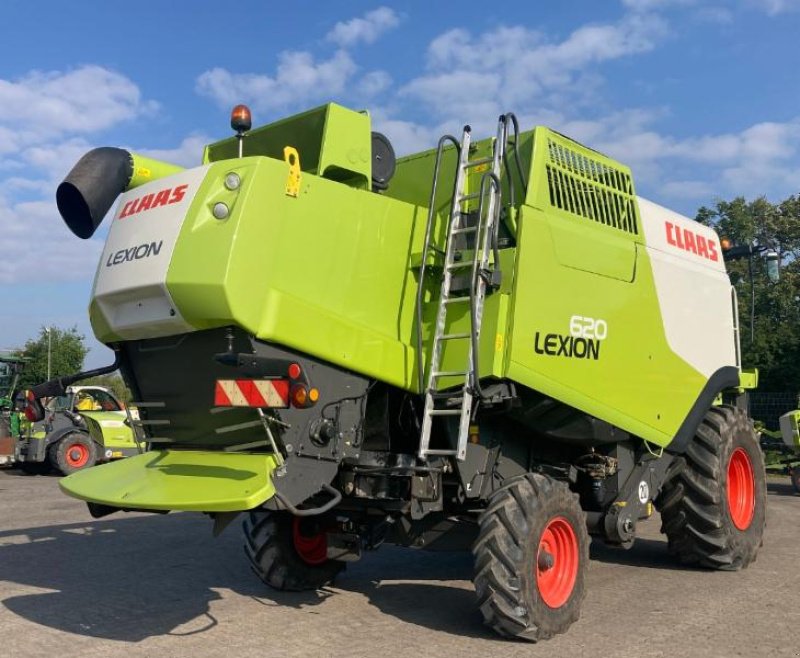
column 590, row 187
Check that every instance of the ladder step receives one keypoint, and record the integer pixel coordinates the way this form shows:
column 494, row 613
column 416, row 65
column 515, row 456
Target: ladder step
column 454, row 336
column 478, row 163
column 455, row 300
column 459, row 265
column 468, row 197
column 449, row 373
column 466, row 229
column 447, row 395
column 440, row 452
column 445, row 412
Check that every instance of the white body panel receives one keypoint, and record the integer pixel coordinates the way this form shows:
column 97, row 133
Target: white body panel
column 694, row 292
column 130, row 285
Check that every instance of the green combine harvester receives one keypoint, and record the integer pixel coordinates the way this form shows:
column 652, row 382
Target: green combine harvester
column 492, row 345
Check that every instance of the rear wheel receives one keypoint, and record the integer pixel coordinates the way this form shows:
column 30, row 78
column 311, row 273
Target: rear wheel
column 713, row 502
column 73, row 452
column 531, row 558
column 288, row 552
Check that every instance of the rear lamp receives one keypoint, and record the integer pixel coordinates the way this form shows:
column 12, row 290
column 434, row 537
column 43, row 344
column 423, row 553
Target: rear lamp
column 295, row 371
column 232, row 181
column 303, row 397
column 299, row 396
column 220, row 210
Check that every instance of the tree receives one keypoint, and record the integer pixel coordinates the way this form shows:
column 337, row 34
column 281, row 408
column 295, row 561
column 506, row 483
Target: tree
column 67, row 352
column 774, row 347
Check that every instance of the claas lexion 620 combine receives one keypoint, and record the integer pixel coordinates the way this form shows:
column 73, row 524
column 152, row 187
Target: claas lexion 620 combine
column 491, row 345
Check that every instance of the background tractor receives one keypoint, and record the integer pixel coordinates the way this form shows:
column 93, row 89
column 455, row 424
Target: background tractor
column 790, row 433
column 84, row 426
column 10, row 419
column 494, row 346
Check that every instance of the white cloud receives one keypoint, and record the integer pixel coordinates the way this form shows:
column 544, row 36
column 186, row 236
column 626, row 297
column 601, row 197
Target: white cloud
column 516, row 66
column 775, row 7
column 298, row 79
column 84, row 100
column 189, row 153
column 650, row 5
column 365, row 29
column 40, row 247
column 374, row 83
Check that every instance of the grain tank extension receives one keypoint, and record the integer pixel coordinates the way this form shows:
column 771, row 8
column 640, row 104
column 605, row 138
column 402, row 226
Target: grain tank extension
column 492, row 345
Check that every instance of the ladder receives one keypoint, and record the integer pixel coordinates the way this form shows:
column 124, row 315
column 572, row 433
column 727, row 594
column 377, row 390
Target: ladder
column 461, row 402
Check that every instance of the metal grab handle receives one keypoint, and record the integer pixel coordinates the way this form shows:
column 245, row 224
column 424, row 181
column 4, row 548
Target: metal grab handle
column 314, row 511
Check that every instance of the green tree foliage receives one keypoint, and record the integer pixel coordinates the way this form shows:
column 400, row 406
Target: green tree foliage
column 775, row 344
column 114, row 382
column 67, row 352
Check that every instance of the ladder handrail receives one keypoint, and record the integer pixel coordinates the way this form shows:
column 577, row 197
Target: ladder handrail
column 425, row 248
column 477, row 272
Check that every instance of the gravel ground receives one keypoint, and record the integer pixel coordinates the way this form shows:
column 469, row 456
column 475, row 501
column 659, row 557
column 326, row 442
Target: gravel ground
column 147, row 585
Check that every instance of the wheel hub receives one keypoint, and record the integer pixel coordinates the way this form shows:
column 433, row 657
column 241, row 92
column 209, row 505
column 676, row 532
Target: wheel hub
column 741, row 489
column 77, row 455
column 557, row 562
column 312, row 549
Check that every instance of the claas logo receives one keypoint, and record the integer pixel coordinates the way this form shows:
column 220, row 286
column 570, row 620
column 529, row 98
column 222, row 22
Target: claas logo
column 688, row 240
column 155, row 200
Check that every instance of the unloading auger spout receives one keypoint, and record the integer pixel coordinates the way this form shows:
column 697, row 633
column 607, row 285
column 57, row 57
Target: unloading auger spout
column 94, row 183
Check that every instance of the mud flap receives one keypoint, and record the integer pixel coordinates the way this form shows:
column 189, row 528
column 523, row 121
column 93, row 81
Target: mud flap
column 180, row 480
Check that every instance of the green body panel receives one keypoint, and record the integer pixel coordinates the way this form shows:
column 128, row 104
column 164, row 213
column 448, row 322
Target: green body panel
column 554, row 292
column 790, row 429
column 177, row 480
column 260, row 270
column 332, row 141
column 108, row 428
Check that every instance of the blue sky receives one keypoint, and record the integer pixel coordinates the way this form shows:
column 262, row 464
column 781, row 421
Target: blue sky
column 700, row 98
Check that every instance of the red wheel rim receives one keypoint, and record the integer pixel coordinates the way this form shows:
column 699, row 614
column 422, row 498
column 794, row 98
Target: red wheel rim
column 741, row 489
column 312, row 550
column 77, row 455
column 557, row 562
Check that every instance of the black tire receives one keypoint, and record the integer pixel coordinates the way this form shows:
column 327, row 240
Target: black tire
column 270, row 548
column 33, row 468
column 73, row 452
column 696, row 514
column 507, row 558
column 795, row 475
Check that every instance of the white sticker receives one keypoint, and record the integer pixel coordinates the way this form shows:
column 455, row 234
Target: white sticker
column 644, row 492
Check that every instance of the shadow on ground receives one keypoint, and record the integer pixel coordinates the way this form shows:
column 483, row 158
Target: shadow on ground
column 128, row 578
column 132, row 577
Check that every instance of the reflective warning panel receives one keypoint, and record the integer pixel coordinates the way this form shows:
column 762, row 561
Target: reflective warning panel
column 251, row 393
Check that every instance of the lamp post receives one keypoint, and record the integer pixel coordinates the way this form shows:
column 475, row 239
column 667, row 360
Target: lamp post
column 49, row 344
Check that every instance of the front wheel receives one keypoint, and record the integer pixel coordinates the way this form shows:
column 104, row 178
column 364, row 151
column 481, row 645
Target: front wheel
column 73, row 452
column 713, row 502
column 531, row 558
column 288, row 552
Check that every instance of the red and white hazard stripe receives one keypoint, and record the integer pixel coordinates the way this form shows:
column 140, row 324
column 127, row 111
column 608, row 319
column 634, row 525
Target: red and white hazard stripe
column 251, row 393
